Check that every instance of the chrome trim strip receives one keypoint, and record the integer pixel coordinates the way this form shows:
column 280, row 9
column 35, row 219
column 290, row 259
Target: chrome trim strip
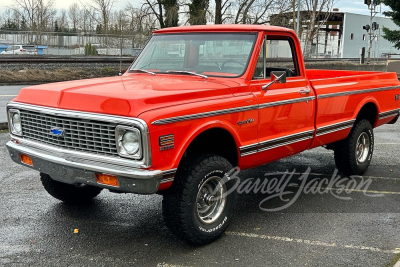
column 168, row 176
column 249, row 146
column 138, row 123
column 286, row 102
column 285, row 143
column 276, row 142
column 231, row 110
column 168, row 172
column 248, row 153
column 163, row 181
column 203, row 115
column 336, row 124
column 73, row 155
column 84, row 164
column 335, row 127
column 335, row 130
column 286, row 137
column 357, row 92
column 388, row 114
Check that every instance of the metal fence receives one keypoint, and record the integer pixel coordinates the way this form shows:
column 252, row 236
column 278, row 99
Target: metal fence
column 60, row 43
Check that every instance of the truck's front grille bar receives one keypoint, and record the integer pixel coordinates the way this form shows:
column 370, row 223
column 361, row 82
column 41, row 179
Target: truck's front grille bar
column 77, row 134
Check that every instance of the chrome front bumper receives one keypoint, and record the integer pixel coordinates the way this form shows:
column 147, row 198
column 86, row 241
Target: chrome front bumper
column 69, row 167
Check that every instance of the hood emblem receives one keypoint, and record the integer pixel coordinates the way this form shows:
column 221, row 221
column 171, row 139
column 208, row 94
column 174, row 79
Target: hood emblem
column 59, row 132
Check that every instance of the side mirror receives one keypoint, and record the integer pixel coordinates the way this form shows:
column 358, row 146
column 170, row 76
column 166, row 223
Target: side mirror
column 276, row 77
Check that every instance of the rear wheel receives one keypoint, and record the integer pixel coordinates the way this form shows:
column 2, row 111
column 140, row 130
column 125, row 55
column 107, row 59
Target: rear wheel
column 71, row 194
column 197, row 207
column 353, row 155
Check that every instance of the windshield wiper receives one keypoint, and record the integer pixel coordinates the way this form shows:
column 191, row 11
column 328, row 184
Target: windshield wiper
column 187, row 72
column 146, row 71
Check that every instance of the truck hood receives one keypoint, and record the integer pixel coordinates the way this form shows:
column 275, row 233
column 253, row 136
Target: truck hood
column 123, row 95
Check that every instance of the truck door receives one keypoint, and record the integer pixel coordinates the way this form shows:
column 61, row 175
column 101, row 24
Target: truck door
column 286, row 110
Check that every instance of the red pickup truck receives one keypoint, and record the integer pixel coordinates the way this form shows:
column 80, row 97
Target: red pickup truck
column 176, row 124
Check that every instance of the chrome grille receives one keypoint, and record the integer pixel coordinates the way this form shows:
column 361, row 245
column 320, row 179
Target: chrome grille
column 78, row 134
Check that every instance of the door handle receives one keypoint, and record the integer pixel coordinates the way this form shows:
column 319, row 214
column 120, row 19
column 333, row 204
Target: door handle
column 305, row 91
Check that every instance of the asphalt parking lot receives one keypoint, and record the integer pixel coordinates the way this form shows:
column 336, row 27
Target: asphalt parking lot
column 123, row 230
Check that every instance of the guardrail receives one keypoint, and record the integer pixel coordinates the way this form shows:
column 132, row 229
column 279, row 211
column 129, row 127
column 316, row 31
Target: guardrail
column 46, row 59
column 96, row 59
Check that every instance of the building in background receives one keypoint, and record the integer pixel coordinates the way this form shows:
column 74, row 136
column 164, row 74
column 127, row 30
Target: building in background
column 341, row 34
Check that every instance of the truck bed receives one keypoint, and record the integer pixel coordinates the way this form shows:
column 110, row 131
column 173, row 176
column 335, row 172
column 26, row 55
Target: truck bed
column 341, row 94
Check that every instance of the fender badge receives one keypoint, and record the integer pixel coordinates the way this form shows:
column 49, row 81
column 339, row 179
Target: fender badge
column 166, row 147
column 245, row 122
column 397, row 97
column 57, row 132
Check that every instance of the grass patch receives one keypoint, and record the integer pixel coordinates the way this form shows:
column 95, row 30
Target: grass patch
column 3, row 131
column 29, row 76
column 394, row 261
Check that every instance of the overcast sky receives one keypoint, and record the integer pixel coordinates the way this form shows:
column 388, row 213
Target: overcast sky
column 353, row 6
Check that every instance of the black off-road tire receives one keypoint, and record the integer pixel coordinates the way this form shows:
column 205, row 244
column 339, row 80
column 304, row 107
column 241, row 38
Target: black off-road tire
column 70, row 194
column 345, row 152
column 180, row 207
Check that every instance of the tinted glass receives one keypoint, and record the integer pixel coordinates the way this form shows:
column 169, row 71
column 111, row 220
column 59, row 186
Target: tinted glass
column 213, row 54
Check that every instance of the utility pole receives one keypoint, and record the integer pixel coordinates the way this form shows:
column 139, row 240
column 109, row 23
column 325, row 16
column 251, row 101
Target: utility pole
column 372, row 4
column 298, row 19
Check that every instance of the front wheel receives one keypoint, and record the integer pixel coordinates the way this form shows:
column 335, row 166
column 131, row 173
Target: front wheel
column 353, row 156
column 68, row 193
column 198, row 207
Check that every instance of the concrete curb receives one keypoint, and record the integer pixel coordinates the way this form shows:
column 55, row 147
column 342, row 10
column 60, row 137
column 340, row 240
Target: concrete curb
column 3, row 126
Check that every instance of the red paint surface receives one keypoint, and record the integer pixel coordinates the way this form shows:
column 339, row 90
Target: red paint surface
column 163, row 96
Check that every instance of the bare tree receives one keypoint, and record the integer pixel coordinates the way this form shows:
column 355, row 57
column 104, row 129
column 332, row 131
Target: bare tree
column 37, row 14
column 74, row 15
column 221, row 7
column 63, row 20
column 316, row 14
column 284, row 15
column 155, row 7
column 253, row 11
column 103, row 7
column 29, row 10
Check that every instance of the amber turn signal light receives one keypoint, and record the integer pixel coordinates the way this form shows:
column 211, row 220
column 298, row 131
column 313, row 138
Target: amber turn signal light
column 26, row 159
column 107, row 179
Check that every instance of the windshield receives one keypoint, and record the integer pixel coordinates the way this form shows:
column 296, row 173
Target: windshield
column 211, row 54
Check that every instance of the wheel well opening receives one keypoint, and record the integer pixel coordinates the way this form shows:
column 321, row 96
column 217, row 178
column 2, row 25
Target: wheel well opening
column 214, row 141
column 368, row 112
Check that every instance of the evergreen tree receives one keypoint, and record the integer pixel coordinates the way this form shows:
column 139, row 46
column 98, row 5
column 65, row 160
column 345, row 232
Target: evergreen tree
column 197, row 12
column 23, row 24
column 171, row 8
column 99, row 28
column 56, row 29
column 392, row 36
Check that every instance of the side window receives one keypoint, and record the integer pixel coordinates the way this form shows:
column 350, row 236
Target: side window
column 259, row 71
column 278, row 53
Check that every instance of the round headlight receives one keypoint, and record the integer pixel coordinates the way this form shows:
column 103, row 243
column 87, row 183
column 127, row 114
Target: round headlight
column 130, row 142
column 16, row 123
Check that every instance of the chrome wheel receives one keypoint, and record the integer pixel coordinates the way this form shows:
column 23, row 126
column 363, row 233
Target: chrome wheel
column 211, row 200
column 362, row 148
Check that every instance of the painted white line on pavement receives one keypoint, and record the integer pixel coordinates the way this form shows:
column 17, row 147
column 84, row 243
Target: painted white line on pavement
column 387, row 144
column 329, row 175
column 351, row 190
column 8, row 95
column 397, row 264
column 170, row 265
column 311, row 242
